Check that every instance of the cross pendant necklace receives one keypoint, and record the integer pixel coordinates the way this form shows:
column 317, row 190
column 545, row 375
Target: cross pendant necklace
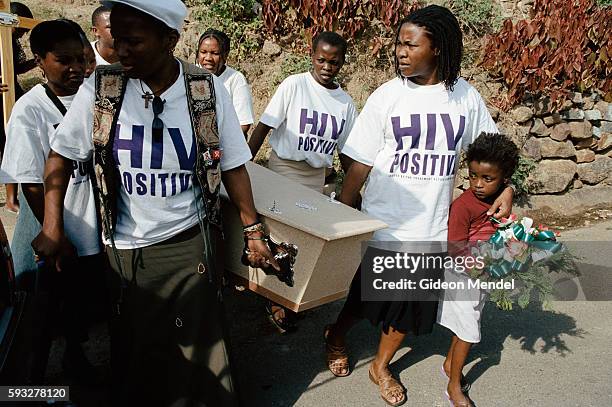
column 146, row 95
column 147, row 98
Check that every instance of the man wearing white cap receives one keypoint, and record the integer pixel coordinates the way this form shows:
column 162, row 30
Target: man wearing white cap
column 162, row 134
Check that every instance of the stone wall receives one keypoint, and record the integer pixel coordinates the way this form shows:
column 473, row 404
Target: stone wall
column 572, row 147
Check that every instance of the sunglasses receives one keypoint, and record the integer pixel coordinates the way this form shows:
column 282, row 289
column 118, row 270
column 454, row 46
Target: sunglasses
column 158, row 124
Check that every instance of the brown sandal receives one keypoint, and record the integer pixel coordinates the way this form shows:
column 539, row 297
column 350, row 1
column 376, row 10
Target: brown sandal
column 337, row 358
column 388, row 386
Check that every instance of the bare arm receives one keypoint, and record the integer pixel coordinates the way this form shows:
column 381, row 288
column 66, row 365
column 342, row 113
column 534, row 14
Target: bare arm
column 245, row 130
column 356, row 176
column 257, row 137
column 26, row 66
column 35, row 195
column 238, row 186
column 345, row 162
column 51, row 242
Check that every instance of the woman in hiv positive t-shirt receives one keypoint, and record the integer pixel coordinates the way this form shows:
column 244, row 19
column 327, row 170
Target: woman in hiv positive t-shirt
column 310, row 116
column 57, row 46
column 405, row 143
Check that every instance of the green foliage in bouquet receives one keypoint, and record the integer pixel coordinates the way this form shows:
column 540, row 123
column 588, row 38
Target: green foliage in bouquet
column 536, row 284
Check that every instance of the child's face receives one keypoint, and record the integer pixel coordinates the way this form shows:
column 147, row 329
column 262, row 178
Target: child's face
column 485, row 178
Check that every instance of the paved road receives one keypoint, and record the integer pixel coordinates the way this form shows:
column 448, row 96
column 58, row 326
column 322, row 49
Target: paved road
column 528, row 357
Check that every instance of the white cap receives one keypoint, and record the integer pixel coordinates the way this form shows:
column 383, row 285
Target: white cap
column 170, row 12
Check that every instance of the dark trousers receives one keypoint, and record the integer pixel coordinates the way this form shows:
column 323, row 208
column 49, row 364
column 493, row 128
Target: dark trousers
column 64, row 303
column 168, row 343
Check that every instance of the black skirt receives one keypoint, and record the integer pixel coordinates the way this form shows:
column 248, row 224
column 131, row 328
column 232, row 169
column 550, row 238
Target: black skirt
column 415, row 316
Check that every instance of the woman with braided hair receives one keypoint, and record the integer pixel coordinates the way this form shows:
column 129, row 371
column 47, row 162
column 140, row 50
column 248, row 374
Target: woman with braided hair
column 405, row 143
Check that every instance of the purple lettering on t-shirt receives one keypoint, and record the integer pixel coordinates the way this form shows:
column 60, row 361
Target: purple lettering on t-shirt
column 322, row 125
column 442, row 165
column 313, row 121
column 173, row 183
column 162, row 180
column 157, row 152
column 413, row 131
column 451, row 138
column 431, row 132
column 335, row 131
column 133, row 145
column 450, row 165
column 184, row 181
column 127, row 182
column 434, row 160
column 185, row 162
column 141, row 187
column 415, row 163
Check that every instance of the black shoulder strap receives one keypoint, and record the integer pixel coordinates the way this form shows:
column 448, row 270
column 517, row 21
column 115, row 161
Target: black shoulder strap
column 58, row 103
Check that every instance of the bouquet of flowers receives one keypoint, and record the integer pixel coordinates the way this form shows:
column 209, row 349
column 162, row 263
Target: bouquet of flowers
column 527, row 254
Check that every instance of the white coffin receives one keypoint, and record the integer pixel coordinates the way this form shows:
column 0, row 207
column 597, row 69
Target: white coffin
column 328, row 235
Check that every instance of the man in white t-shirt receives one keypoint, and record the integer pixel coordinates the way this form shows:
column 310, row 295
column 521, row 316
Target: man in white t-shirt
column 213, row 50
column 101, row 29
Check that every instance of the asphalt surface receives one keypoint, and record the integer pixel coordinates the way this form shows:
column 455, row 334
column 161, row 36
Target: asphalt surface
column 532, row 357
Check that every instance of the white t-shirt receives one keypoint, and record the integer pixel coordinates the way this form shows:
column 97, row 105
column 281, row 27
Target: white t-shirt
column 411, row 135
column 33, row 119
column 309, row 120
column 240, row 92
column 99, row 59
column 157, row 198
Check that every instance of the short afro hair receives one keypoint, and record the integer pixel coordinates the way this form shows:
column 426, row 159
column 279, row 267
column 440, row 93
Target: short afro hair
column 46, row 35
column 331, row 38
column 494, row 148
column 95, row 16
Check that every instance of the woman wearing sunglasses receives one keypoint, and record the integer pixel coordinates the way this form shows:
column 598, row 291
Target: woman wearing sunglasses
column 164, row 134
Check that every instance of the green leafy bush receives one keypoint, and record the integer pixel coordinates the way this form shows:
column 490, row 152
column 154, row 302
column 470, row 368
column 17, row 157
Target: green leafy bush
column 477, row 17
column 292, row 64
column 237, row 18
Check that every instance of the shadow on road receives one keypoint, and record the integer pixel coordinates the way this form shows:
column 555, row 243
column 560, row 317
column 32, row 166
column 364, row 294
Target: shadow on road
column 275, row 370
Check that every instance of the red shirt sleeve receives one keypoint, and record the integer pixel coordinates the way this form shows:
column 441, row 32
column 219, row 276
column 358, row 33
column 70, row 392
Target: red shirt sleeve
column 458, row 222
column 458, row 226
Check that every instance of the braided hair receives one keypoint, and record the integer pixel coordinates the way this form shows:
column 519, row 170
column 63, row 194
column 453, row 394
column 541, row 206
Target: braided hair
column 220, row 36
column 443, row 30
